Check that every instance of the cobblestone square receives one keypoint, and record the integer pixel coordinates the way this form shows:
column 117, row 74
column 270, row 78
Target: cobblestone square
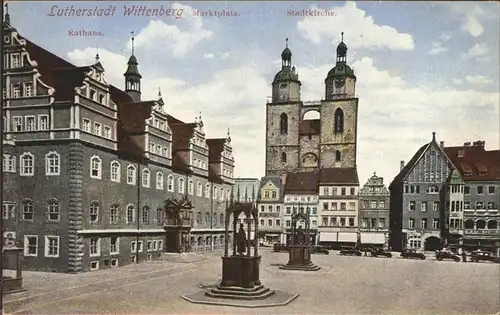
column 344, row 285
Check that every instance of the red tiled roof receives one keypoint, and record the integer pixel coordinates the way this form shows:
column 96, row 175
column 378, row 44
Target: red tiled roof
column 181, row 134
column 339, row 176
column 215, row 149
column 476, row 164
column 310, row 127
column 302, row 183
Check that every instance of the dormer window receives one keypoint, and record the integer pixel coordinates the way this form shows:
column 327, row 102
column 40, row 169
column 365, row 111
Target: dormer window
column 28, row 89
column 92, row 94
column 483, row 173
column 468, row 173
column 461, row 153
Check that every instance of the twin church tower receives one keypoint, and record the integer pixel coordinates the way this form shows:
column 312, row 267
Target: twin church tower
column 306, row 136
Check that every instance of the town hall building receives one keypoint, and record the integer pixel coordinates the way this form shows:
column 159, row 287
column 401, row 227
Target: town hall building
column 88, row 166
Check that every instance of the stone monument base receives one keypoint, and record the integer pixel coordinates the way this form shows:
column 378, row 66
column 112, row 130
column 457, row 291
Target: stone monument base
column 240, row 286
column 300, row 259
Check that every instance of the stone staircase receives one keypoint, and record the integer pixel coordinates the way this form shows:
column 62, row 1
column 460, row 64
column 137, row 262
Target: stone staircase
column 237, row 293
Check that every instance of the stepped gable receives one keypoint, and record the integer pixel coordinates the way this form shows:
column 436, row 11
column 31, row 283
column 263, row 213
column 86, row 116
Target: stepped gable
column 474, row 162
column 302, row 183
column 339, row 176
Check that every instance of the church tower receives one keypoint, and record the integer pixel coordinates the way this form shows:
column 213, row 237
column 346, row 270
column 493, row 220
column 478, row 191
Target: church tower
column 339, row 114
column 283, row 119
column 133, row 77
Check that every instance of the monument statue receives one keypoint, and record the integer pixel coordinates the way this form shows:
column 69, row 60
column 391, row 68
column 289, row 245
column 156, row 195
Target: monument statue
column 241, row 240
column 299, row 236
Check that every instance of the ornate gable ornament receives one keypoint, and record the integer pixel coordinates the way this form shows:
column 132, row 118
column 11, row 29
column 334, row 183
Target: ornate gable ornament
column 298, row 216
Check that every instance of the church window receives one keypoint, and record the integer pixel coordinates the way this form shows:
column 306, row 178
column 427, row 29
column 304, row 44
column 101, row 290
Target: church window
column 283, row 157
column 284, row 124
column 339, row 120
column 337, row 156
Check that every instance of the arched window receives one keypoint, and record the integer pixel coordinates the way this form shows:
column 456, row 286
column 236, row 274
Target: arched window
column 53, row 210
column 27, row 161
column 170, row 183
column 190, row 187
column 159, row 180
column 199, row 189
column 207, row 190
column 284, row 124
column 146, row 179
column 283, row 157
column 131, row 175
column 52, row 163
column 181, row 185
column 337, row 156
column 339, row 121
column 95, row 167
column 115, row 171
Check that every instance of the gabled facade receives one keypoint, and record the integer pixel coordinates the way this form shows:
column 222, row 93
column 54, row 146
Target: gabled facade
column 301, row 196
column 89, row 166
column 374, row 200
column 477, row 219
column 270, row 206
column 418, row 199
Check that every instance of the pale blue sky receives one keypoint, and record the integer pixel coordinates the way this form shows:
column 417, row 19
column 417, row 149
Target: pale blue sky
column 446, row 55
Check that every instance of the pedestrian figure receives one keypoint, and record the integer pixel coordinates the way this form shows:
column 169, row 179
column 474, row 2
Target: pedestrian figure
column 464, row 256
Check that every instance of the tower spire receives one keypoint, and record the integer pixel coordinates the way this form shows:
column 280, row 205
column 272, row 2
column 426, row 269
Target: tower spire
column 159, row 92
column 132, row 33
column 286, row 45
column 342, row 37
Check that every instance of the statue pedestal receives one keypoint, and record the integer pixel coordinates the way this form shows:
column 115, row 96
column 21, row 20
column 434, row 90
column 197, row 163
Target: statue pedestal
column 300, row 259
column 240, row 279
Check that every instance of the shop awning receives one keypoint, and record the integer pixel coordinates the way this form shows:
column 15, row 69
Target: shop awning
column 347, row 237
column 372, row 238
column 327, row 237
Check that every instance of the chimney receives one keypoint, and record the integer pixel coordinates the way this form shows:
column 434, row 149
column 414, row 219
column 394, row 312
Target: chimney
column 402, row 165
column 478, row 143
column 466, row 144
column 441, row 144
column 283, row 179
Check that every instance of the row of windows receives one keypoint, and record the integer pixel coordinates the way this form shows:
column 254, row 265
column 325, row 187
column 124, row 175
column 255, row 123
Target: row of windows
column 18, row 90
column 415, row 189
column 51, row 246
column 98, row 129
column 270, row 222
column 423, row 223
column 480, row 224
column 312, row 210
column 334, row 191
column 27, row 164
column 372, row 223
column 302, row 198
column 424, row 206
column 338, row 221
column 479, row 205
column 343, row 206
column 270, row 208
column 29, row 123
column 288, row 223
column 53, row 167
column 158, row 149
column 374, row 204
